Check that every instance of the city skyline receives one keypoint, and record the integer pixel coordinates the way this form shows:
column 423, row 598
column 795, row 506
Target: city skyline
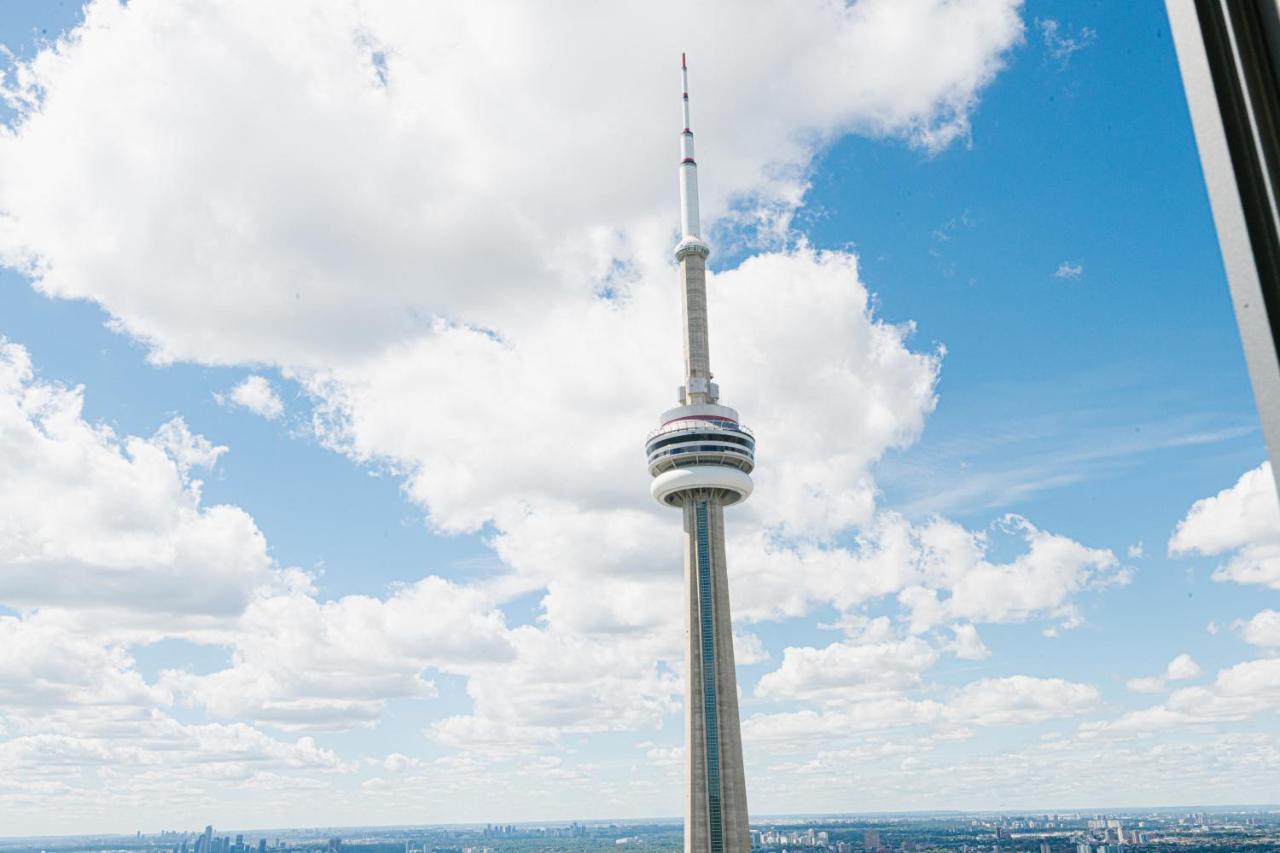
column 332, row 333
column 1069, row 831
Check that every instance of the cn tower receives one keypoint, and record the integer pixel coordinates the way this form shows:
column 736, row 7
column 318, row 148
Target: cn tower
column 701, row 459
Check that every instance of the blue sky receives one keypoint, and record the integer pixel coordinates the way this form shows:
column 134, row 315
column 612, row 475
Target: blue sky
column 411, row 601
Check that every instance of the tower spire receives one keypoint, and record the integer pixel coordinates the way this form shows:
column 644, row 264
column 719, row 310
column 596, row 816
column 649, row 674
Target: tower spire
column 690, row 229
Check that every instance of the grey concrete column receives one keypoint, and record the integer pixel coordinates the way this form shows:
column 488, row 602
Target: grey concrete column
column 697, row 345
column 715, row 785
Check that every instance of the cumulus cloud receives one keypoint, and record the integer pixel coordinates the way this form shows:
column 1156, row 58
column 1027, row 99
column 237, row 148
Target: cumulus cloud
column 1040, row 580
column 942, row 774
column 851, row 670
column 45, row 666
column 299, row 663
column 1262, row 629
column 1022, row 699
column 1146, row 684
column 967, row 645
column 748, row 648
column 867, row 392
column 257, row 395
column 1243, row 521
column 1008, row 700
column 163, row 737
column 938, row 570
column 1237, row 693
column 563, row 683
column 875, row 680
column 1181, row 668
column 428, row 180
column 91, row 519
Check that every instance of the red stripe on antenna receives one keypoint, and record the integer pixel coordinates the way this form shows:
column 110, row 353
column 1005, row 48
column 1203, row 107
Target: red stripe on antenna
column 682, row 65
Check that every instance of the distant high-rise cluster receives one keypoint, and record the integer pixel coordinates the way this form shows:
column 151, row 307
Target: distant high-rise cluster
column 207, row 842
column 794, row 838
column 1108, row 835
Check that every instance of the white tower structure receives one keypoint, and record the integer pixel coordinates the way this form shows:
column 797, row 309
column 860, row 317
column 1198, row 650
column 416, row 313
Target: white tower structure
column 701, row 459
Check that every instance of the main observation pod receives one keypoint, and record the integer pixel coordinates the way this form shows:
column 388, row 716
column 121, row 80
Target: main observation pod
column 700, row 448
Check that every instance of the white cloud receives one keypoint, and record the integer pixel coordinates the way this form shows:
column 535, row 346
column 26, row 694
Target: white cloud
column 866, row 392
column 938, row 570
column 416, row 203
column 748, row 648
column 1243, row 519
column 1066, row 270
column 399, row 763
column 1146, row 684
column 162, row 738
column 1060, row 44
column 1263, row 629
column 44, row 666
column 299, row 663
column 561, row 682
column 848, row 671
column 938, row 774
column 1009, row 700
column 81, row 718
column 670, row 756
column 1254, row 685
column 967, row 645
column 89, row 519
column 1038, row 582
column 1237, row 693
column 1181, row 668
column 255, row 394
column 1021, row 699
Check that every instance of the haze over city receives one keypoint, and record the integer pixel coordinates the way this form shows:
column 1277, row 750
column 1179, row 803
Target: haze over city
column 331, row 334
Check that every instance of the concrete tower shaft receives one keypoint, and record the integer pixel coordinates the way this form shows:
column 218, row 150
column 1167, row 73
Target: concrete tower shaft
column 698, row 388
column 715, row 783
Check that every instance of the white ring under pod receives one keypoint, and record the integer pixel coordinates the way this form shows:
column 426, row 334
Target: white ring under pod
column 669, row 484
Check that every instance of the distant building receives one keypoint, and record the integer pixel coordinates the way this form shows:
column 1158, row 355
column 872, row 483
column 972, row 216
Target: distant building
column 871, row 840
